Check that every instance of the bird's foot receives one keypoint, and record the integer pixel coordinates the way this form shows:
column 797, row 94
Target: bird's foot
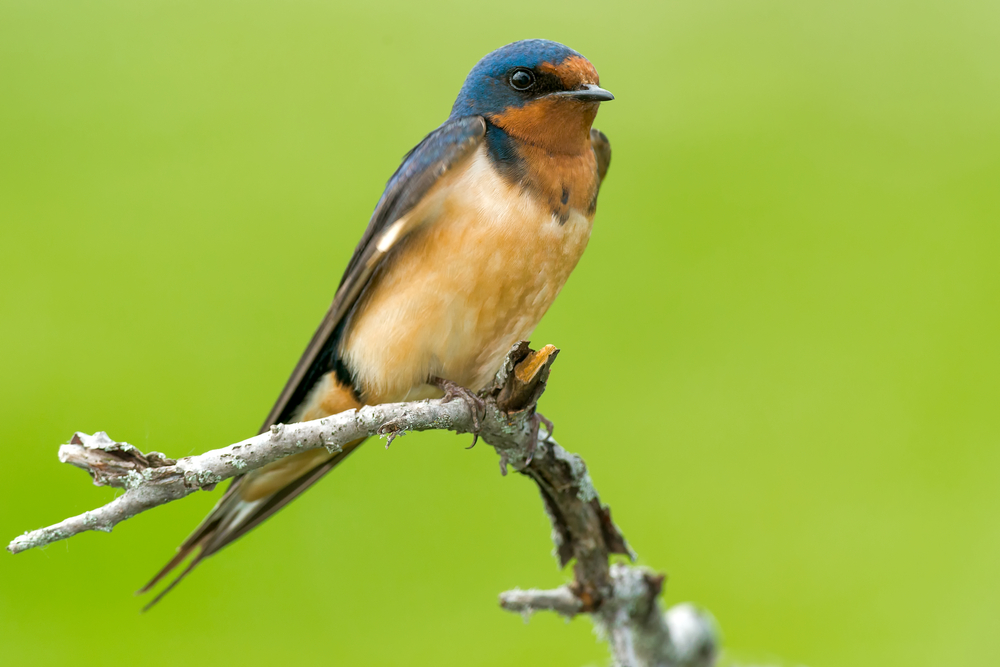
column 452, row 391
column 537, row 421
column 547, row 423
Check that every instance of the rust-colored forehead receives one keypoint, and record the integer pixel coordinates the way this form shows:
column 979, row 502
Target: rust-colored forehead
column 573, row 71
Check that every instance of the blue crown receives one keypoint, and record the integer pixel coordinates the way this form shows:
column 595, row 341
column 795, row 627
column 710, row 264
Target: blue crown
column 485, row 89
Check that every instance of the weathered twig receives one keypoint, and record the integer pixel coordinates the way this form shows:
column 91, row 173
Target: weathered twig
column 622, row 599
column 631, row 621
column 152, row 480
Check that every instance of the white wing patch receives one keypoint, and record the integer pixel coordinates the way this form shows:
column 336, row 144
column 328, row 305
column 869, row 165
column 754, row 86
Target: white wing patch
column 391, row 235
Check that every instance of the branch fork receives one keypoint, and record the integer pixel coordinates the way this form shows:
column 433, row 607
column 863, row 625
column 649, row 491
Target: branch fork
column 621, row 599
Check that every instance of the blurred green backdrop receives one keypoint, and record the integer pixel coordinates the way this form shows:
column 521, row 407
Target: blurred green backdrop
column 779, row 354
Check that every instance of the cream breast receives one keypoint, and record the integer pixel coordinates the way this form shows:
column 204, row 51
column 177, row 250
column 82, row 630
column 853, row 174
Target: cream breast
column 485, row 262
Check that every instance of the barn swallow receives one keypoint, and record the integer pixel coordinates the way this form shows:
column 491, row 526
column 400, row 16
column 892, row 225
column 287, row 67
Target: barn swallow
column 472, row 240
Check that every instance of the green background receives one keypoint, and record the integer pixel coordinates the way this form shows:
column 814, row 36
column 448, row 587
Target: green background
column 779, row 358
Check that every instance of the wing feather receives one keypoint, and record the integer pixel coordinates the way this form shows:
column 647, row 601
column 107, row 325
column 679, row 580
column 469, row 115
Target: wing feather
column 602, row 150
column 438, row 153
column 441, row 151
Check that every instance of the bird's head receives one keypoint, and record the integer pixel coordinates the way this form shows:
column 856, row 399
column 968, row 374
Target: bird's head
column 538, row 91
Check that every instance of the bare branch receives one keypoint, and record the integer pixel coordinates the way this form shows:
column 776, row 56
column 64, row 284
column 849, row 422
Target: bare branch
column 641, row 635
column 630, row 620
column 622, row 599
column 152, row 480
column 562, row 600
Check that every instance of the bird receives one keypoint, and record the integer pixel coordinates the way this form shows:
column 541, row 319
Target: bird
column 473, row 238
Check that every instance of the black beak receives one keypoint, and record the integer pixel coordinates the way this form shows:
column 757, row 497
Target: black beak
column 587, row 93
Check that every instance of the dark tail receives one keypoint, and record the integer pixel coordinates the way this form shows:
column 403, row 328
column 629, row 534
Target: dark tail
column 243, row 508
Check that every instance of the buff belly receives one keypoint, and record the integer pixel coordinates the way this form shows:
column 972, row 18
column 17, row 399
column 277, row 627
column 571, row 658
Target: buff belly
column 476, row 276
column 482, row 267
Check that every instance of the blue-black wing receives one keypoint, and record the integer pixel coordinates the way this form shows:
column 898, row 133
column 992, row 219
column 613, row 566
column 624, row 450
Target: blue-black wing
column 442, row 150
column 602, row 151
column 439, row 152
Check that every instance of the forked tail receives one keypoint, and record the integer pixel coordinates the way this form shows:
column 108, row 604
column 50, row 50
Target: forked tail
column 249, row 500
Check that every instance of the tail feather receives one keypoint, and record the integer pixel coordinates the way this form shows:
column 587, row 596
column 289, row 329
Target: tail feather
column 159, row 596
column 183, row 552
column 288, row 494
column 233, row 517
column 207, row 528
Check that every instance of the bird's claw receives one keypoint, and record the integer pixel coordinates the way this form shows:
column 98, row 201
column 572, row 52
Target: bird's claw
column 452, row 391
column 390, row 431
column 549, row 426
column 537, row 420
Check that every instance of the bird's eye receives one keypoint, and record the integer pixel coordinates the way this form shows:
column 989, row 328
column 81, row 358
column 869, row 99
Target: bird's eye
column 522, row 79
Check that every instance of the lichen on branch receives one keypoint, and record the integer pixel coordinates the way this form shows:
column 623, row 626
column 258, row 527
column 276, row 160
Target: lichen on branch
column 622, row 599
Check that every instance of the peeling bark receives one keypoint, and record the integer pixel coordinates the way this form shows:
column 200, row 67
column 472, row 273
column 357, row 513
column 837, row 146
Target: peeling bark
column 621, row 599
